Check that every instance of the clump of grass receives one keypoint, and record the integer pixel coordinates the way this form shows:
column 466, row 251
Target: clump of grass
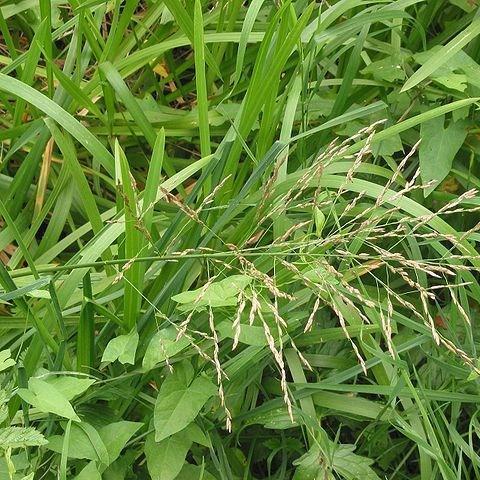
column 238, row 240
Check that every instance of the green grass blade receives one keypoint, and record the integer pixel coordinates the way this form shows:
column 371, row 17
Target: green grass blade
column 201, row 82
column 57, row 113
column 134, row 241
column 86, row 330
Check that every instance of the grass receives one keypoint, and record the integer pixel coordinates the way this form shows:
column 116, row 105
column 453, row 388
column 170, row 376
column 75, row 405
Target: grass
column 238, row 240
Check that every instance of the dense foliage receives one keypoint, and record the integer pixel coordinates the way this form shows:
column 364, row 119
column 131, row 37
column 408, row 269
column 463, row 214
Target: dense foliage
column 238, row 239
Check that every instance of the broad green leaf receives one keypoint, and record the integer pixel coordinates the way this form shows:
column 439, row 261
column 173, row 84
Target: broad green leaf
column 194, row 472
column 165, row 459
column 97, row 443
column 196, row 434
column 122, row 348
column 357, row 406
column 352, row 466
column 389, row 69
column 460, row 70
column 116, row 435
column 249, row 334
column 5, row 360
column 313, row 465
column 444, row 55
column 326, row 458
column 90, row 472
column 319, row 218
column 178, row 404
column 276, row 419
column 438, row 149
column 79, row 445
column 163, row 345
column 388, row 147
column 455, row 81
column 218, row 294
column 3, row 410
column 47, row 398
column 350, row 129
column 119, row 469
column 319, row 274
column 411, row 122
column 70, row 386
column 84, row 443
column 20, row 437
column 183, row 372
column 30, row 476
